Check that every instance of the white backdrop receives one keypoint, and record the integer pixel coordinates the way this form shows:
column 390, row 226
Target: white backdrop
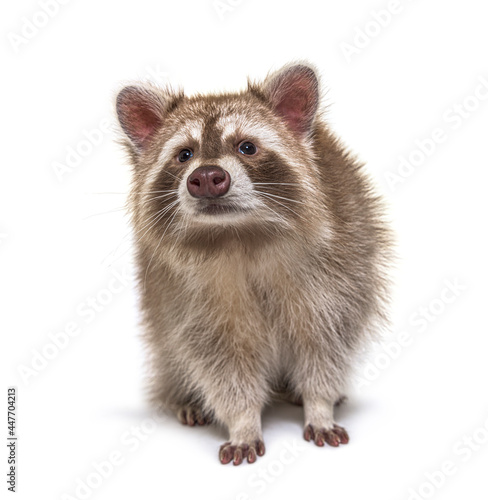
column 407, row 91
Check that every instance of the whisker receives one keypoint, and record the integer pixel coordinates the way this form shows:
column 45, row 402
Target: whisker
column 151, row 220
column 156, row 215
column 159, row 243
column 179, row 232
column 161, row 196
column 104, row 213
column 160, row 216
column 132, row 192
column 111, row 192
column 281, row 197
column 276, row 184
column 279, row 203
column 172, row 175
column 280, row 217
column 155, row 192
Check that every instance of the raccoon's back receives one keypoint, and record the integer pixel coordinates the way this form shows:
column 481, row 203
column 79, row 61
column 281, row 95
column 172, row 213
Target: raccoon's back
column 359, row 253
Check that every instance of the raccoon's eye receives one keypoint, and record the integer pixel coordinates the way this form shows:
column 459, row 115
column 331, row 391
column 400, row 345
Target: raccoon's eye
column 185, row 155
column 247, row 148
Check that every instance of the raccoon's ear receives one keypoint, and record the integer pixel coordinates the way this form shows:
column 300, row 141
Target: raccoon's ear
column 141, row 113
column 294, row 94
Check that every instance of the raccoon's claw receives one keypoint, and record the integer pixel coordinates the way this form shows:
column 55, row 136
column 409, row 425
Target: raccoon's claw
column 237, row 453
column 334, row 437
column 192, row 416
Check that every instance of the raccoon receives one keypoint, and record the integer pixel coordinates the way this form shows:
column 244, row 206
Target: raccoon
column 262, row 254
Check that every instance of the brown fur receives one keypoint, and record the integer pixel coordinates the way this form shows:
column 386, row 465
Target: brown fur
column 281, row 297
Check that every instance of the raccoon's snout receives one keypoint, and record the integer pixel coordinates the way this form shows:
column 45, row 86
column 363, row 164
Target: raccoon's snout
column 208, row 182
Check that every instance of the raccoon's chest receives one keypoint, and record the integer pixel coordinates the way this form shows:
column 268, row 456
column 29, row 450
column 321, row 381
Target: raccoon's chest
column 257, row 294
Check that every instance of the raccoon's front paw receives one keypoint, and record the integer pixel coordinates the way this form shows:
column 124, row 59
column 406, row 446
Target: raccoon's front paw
column 230, row 452
column 188, row 415
column 334, row 436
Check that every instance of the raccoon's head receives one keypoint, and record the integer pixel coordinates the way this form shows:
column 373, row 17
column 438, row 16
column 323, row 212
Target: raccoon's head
column 237, row 164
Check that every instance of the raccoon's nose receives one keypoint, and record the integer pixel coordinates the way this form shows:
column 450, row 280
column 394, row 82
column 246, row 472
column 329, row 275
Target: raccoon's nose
column 208, row 182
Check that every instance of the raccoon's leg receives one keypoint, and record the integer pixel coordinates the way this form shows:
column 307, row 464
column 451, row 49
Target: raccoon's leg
column 319, row 423
column 320, row 382
column 186, row 405
column 235, row 392
column 193, row 415
column 170, row 392
column 289, row 397
column 246, row 439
